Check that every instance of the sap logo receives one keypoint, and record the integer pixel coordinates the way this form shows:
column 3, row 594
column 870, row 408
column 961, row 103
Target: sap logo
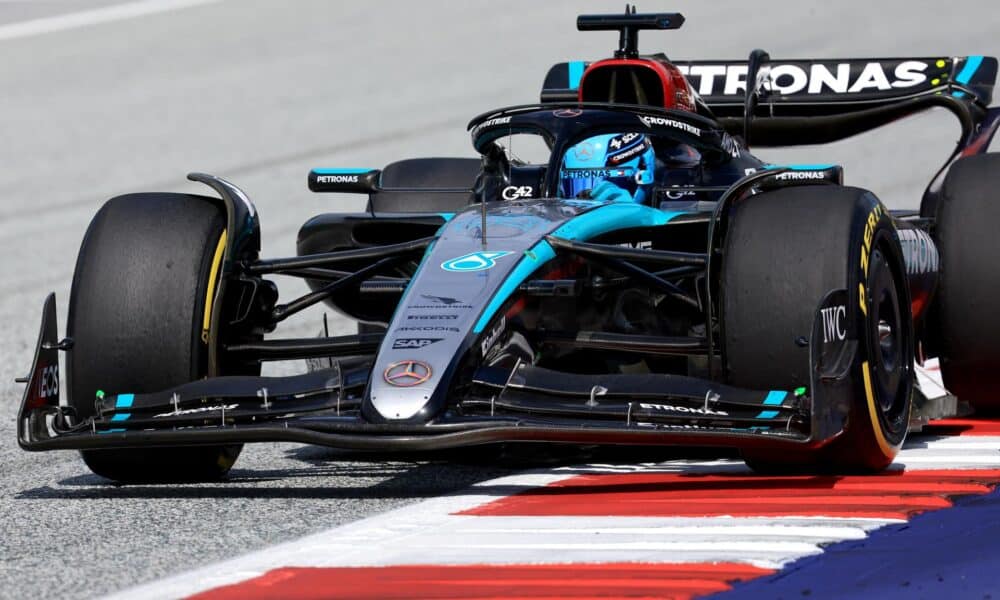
column 833, row 323
column 48, row 382
column 413, row 343
column 514, row 192
column 475, row 261
column 663, row 121
column 812, row 79
column 800, row 175
column 494, row 335
column 337, row 179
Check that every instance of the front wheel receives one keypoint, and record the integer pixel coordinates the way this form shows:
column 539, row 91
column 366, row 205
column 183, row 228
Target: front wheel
column 785, row 252
column 145, row 276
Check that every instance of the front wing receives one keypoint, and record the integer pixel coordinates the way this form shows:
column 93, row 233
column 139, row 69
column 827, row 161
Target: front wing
column 525, row 403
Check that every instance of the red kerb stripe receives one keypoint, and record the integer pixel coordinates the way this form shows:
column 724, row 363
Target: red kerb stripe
column 893, row 494
column 613, row 580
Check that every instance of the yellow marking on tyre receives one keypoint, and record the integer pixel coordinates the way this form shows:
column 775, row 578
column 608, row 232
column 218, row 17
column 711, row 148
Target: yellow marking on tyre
column 862, row 302
column 213, row 274
column 883, row 444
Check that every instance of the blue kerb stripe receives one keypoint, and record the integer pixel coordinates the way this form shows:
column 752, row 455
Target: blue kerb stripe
column 575, row 73
column 341, row 171
column 767, row 414
column 124, row 400
column 972, row 64
column 775, row 398
column 121, row 417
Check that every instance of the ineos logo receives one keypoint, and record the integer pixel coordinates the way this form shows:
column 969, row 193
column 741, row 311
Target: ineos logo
column 48, row 382
column 513, row 192
column 407, row 373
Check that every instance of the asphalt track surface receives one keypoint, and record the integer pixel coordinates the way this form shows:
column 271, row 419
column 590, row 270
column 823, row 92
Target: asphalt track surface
column 259, row 92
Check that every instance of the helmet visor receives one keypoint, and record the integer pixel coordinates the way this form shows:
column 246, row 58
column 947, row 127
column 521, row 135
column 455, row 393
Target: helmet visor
column 575, row 183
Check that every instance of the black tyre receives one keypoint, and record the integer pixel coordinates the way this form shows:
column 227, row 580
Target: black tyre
column 785, row 251
column 965, row 309
column 136, row 315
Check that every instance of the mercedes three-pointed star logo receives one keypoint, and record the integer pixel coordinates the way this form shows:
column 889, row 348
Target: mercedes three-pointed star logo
column 407, row 373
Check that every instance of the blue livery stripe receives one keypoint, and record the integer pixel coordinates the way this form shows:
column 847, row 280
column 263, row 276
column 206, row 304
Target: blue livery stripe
column 341, row 171
column 775, row 398
column 124, row 400
column 767, row 414
column 575, row 73
column 799, row 167
column 609, row 217
column 121, row 417
column 540, row 254
column 972, row 64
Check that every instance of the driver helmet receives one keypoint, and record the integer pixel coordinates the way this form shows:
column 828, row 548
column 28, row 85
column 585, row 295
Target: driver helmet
column 626, row 161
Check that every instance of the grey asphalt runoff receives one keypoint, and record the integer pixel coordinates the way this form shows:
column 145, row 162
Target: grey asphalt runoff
column 259, row 92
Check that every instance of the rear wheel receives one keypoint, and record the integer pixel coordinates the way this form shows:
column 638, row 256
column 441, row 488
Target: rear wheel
column 146, row 271
column 965, row 309
column 786, row 250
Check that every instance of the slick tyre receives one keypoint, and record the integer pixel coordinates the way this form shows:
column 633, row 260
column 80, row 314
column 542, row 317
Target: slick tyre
column 785, row 251
column 136, row 313
column 969, row 288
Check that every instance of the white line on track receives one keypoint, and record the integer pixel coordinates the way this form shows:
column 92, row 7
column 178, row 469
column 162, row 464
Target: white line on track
column 85, row 18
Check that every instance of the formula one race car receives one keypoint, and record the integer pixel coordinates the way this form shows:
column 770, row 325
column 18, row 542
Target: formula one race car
column 615, row 268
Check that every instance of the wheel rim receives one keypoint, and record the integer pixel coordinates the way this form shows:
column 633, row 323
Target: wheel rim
column 888, row 339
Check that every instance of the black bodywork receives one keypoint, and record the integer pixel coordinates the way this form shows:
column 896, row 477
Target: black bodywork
column 593, row 323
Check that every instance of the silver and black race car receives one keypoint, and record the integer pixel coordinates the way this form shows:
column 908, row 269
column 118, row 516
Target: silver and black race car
column 614, row 268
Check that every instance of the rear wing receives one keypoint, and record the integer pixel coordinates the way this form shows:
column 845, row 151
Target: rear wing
column 853, row 95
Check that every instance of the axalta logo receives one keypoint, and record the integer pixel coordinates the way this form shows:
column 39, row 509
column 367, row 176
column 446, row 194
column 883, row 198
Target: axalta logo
column 684, row 409
column 799, row 175
column 476, row 261
column 665, row 122
column 337, row 178
column 816, row 78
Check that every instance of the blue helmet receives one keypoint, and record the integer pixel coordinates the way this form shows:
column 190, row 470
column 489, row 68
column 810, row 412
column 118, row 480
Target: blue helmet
column 625, row 160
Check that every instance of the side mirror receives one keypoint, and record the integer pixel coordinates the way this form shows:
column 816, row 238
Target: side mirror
column 350, row 181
